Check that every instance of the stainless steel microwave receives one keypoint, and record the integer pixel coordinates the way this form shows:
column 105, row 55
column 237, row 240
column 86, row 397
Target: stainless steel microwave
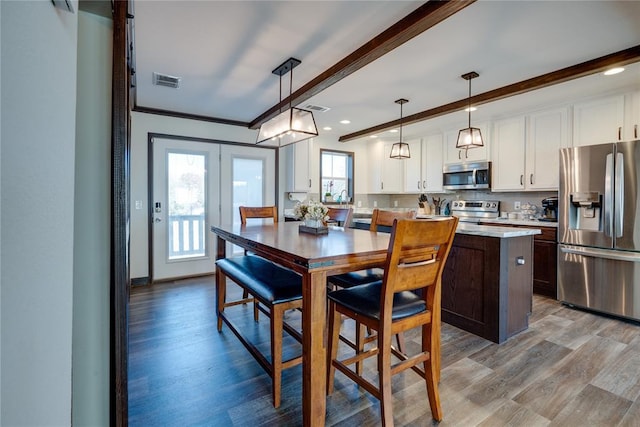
column 467, row 176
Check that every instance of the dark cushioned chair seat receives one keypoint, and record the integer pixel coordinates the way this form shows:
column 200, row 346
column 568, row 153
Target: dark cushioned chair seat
column 365, row 300
column 357, row 278
column 265, row 280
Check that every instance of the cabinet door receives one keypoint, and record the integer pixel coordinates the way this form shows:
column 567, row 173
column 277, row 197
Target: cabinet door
column 598, row 121
column 455, row 155
column 413, row 168
column 508, row 154
column 632, row 117
column 374, row 156
column 298, row 178
column 432, row 151
column 546, row 135
column 392, row 171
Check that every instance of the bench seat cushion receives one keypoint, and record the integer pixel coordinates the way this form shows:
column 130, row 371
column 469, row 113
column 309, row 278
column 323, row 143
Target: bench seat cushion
column 270, row 283
column 365, row 300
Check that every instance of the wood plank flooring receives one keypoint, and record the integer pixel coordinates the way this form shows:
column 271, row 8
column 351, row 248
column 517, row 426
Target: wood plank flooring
column 570, row 368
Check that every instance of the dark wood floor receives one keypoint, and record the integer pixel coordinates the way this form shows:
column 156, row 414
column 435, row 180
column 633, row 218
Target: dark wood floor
column 570, row 368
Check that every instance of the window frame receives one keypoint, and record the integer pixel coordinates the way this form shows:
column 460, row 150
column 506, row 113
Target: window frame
column 350, row 171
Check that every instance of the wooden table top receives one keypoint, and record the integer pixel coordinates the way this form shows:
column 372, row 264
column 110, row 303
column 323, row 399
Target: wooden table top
column 282, row 240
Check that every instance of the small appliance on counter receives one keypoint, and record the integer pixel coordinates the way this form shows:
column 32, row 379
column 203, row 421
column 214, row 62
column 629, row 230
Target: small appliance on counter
column 550, row 209
column 475, row 210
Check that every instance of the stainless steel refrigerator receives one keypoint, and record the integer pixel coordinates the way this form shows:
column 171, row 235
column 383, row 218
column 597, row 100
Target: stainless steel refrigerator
column 599, row 228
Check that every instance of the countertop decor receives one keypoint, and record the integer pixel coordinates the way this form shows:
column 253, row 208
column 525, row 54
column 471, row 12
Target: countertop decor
column 314, row 216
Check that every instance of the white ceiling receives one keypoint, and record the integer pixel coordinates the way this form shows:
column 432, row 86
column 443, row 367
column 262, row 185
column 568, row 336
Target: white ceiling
column 224, row 52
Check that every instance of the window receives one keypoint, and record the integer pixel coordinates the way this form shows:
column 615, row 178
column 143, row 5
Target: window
column 336, row 176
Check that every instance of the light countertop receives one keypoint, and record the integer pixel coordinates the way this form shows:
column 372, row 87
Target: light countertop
column 485, row 230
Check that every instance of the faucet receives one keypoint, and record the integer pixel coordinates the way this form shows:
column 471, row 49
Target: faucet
column 343, row 198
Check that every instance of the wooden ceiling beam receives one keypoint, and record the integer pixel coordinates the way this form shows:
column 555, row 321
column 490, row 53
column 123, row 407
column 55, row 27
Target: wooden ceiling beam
column 583, row 69
column 415, row 23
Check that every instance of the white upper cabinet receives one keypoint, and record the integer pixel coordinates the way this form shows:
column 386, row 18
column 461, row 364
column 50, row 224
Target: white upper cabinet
column 599, row 121
column 301, row 164
column 547, row 134
column 432, row 151
column 526, row 151
column 508, row 168
column 423, row 171
column 456, row 155
column 632, row 117
column 386, row 174
column 413, row 168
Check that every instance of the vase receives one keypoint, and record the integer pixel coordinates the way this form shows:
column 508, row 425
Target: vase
column 313, row 223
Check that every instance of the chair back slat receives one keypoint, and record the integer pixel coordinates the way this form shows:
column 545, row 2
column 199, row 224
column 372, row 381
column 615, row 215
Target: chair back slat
column 386, row 218
column 258, row 212
column 342, row 215
column 417, row 252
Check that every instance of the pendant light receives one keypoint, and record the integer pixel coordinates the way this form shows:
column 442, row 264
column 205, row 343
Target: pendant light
column 290, row 126
column 400, row 150
column 469, row 137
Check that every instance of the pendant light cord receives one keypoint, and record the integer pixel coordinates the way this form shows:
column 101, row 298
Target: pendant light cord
column 401, row 121
column 469, row 107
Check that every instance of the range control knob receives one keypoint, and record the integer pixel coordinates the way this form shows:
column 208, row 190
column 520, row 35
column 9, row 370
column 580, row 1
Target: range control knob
column 487, row 204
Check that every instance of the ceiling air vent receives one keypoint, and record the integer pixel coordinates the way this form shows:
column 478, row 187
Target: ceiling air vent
column 166, row 80
column 318, row 108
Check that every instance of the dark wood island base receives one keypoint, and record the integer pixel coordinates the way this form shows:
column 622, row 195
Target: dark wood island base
column 487, row 285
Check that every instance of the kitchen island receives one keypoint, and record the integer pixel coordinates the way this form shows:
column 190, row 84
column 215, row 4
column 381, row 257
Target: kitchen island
column 487, row 281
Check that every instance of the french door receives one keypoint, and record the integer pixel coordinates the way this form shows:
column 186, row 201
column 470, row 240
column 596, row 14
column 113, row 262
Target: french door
column 197, row 184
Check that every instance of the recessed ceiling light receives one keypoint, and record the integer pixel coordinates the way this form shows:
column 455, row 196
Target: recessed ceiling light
column 470, row 109
column 613, row 71
column 326, row 128
column 393, row 130
column 373, row 136
column 345, row 122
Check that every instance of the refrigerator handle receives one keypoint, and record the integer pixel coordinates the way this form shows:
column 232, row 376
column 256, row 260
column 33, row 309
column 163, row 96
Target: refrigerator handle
column 619, row 194
column 608, row 196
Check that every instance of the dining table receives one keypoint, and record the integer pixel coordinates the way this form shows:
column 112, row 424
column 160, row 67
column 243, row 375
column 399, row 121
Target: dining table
column 314, row 257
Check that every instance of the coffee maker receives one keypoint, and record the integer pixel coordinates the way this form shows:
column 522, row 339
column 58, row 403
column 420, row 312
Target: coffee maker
column 550, row 209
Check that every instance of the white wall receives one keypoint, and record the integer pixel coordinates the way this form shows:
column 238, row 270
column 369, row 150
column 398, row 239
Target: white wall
column 37, row 185
column 91, row 272
column 141, row 125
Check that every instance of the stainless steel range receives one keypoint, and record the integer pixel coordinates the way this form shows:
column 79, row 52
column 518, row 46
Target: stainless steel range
column 474, row 210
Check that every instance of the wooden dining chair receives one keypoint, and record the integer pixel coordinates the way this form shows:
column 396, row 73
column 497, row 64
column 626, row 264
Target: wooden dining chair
column 416, row 256
column 255, row 212
column 273, row 290
column 379, row 218
column 341, row 216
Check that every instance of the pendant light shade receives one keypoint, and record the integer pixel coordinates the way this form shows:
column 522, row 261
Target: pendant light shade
column 469, row 137
column 290, row 126
column 400, row 150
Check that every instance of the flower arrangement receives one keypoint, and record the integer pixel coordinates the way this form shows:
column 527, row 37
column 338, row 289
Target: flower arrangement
column 310, row 210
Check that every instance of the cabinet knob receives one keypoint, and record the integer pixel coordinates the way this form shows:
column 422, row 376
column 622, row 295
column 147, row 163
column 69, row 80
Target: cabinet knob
column 418, row 185
column 521, row 179
column 635, row 131
column 531, row 179
column 309, row 183
column 424, row 184
column 620, row 133
column 459, row 154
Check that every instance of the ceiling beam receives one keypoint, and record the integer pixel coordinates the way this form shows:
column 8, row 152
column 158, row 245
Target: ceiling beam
column 415, row 23
column 583, row 69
